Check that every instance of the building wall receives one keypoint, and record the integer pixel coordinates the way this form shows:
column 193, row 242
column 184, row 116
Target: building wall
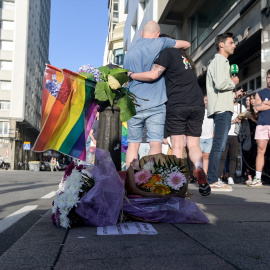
column 115, row 30
column 139, row 12
column 28, row 54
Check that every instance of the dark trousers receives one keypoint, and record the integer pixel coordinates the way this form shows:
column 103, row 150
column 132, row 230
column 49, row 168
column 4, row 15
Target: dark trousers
column 222, row 123
column 231, row 149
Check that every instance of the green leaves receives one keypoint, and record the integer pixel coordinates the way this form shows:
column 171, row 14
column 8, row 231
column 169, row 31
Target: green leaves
column 104, row 72
column 121, row 78
column 105, row 91
column 109, row 93
column 100, row 93
column 88, row 75
column 127, row 108
column 118, row 71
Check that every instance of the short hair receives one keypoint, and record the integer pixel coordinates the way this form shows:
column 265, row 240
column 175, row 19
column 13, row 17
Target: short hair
column 222, row 38
column 268, row 72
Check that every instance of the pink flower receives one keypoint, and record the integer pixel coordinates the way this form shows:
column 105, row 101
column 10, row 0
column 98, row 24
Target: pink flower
column 142, row 177
column 176, row 180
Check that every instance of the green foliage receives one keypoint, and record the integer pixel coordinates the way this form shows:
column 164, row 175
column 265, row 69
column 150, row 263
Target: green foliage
column 88, row 75
column 127, row 108
column 109, row 93
column 100, row 93
column 103, row 91
column 121, row 78
column 104, row 72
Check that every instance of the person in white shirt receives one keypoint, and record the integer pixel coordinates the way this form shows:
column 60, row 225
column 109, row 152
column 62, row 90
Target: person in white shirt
column 206, row 139
column 232, row 145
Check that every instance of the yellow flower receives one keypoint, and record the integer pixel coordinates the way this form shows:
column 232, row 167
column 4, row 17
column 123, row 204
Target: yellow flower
column 161, row 189
column 152, row 181
column 113, row 83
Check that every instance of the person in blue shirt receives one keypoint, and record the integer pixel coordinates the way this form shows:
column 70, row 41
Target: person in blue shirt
column 151, row 112
column 262, row 134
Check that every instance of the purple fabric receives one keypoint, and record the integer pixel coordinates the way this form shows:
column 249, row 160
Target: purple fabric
column 101, row 206
column 166, row 210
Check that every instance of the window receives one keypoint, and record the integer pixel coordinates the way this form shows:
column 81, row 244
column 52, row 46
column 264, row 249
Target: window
column 115, row 6
column 5, row 65
column 6, row 45
column 258, row 82
column 4, row 128
column 251, row 85
column 207, row 19
column 5, row 85
column 4, row 105
column 115, row 16
column 8, row 5
column 119, row 56
column 6, row 25
column 144, row 4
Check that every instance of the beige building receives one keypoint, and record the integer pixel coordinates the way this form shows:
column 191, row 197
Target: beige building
column 24, row 41
column 114, row 52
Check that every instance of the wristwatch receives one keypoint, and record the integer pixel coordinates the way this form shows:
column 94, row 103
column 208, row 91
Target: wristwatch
column 130, row 76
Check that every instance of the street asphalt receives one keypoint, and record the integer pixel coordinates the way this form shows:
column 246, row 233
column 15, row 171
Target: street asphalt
column 237, row 237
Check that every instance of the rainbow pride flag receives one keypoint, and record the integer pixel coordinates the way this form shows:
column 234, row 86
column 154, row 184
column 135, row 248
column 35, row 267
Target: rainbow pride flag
column 68, row 116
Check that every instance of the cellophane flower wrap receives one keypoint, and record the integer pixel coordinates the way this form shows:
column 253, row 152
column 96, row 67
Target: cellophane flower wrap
column 162, row 176
column 77, row 181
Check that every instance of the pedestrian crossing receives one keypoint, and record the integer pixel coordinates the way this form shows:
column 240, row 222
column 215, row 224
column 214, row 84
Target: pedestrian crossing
column 11, row 219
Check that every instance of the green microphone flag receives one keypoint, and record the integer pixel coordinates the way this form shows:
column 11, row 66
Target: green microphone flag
column 234, row 69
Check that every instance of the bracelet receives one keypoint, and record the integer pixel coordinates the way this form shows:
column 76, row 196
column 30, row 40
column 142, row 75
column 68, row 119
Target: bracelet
column 130, row 75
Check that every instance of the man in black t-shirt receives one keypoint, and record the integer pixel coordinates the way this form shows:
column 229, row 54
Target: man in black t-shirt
column 184, row 108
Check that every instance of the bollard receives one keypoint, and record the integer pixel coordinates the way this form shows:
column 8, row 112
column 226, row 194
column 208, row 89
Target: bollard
column 110, row 133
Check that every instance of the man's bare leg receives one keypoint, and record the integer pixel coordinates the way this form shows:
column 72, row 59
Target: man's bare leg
column 132, row 153
column 178, row 144
column 195, row 155
column 194, row 150
column 155, row 148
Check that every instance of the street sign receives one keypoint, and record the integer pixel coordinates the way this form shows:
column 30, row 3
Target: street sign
column 26, row 146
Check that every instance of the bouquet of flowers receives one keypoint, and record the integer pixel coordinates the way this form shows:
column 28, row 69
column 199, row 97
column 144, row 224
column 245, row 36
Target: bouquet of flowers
column 77, row 181
column 159, row 174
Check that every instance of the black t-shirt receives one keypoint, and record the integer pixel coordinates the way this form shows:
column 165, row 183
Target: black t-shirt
column 181, row 81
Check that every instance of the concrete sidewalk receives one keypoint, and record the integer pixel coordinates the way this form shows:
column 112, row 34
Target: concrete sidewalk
column 238, row 237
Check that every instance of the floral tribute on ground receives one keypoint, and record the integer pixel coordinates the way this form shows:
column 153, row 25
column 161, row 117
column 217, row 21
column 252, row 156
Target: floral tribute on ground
column 153, row 189
column 77, row 181
column 164, row 179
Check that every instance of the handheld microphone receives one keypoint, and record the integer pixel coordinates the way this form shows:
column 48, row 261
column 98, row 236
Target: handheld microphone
column 234, row 70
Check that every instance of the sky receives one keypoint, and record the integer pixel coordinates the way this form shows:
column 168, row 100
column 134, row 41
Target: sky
column 78, row 33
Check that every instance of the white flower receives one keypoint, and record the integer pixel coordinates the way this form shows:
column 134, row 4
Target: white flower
column 72, row 199
column 54, row 208
column 61, row 200
column 64, row 211
column 64, row 221
column 149, row 166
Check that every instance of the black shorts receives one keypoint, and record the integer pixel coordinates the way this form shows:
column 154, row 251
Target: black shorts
column 185, row 120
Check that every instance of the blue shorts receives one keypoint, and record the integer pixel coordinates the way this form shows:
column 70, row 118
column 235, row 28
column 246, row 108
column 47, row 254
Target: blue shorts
column 153, row 118
column 206, row 145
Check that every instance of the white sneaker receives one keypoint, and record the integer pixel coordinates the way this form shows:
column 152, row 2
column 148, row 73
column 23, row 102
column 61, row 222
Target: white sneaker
column 230, row 181
column 220, row 186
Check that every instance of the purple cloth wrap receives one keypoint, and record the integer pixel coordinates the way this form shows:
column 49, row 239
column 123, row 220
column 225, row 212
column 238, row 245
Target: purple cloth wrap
column 166, row 210
column 101, row 206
